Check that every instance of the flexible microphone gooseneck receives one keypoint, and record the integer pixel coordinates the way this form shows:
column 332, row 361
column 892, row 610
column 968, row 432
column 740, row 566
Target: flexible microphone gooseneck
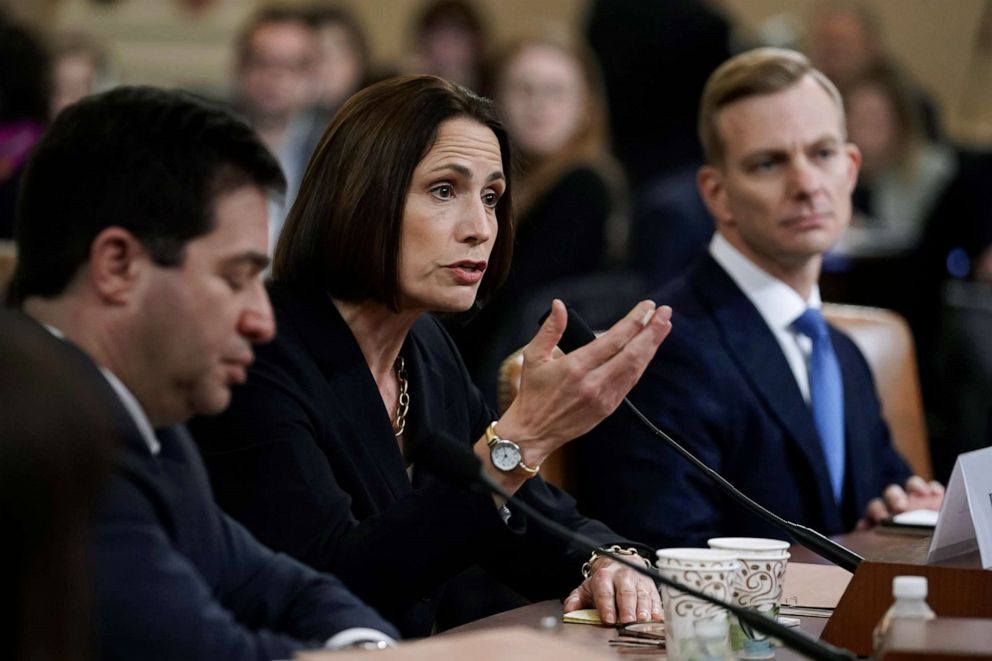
column 458, row 465
column 577, row 333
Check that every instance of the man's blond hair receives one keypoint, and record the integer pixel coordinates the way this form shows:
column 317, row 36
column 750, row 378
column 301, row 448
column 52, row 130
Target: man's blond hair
column 753, row 73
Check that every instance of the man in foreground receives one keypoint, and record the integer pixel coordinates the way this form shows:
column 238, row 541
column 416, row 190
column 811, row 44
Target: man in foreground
column 141, row 236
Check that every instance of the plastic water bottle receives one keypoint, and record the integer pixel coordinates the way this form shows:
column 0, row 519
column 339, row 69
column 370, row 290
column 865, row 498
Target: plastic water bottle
column 712, row 640
column 910, row 593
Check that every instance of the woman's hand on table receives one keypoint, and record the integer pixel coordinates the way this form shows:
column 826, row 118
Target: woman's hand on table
column 618, row 593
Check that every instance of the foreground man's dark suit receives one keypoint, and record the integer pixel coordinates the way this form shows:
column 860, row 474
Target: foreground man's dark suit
column 175, row 578
column 722, row 387
column 306, row 458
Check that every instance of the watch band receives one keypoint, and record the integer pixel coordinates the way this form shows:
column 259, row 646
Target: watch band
column 532, row 471
column 491, row 435
column 492, row 438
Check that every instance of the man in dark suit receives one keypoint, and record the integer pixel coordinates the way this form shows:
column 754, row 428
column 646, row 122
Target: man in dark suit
column 142, row 233
column 751, row 379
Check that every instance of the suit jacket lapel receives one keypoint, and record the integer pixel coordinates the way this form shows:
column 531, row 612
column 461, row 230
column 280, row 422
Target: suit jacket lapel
column 427, row 413
column 425, row 378
column 753, row 345
column 356, row 413
column 124, row 423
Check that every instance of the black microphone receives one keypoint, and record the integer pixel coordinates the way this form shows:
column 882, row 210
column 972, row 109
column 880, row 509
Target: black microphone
column 458, row 465
column 578, row 334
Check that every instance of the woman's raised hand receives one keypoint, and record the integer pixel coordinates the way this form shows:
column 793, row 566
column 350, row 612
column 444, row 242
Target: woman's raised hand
column 564, row 396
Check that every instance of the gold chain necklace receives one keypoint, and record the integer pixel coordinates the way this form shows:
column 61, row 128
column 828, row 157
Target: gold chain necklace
column 403, row 405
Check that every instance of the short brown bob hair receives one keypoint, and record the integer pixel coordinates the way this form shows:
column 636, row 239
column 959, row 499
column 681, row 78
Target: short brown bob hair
column 343, row 232
column 753, row 73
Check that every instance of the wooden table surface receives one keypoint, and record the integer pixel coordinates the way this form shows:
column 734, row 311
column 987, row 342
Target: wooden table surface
column 536, row 631
column 872, row 545
column 595, row 637
column 882, row 547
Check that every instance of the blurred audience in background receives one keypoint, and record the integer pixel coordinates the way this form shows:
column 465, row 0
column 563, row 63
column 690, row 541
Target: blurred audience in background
column 844, row 41
column 676, row 45
column 567, row 189
column 341, row 57
column 924, row 218
column 882, row 260
column 903, row 170
column 449, row 41
column 921, row 242
column 952, row 318
column 80, row 67
column 25, row 92
column 973, row 119
column 56, row 448
column 275, row 58
column 656, row 57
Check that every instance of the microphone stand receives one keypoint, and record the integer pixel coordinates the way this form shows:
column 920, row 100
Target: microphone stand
column 577, row 333
column 811, row 539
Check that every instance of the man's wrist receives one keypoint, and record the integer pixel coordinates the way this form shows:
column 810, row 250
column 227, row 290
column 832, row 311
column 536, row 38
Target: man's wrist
column 359, row 638
column 368, row 645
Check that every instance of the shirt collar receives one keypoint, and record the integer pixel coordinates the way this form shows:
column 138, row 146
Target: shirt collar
column 777, row 303
column 129, row 401
column 134, row 408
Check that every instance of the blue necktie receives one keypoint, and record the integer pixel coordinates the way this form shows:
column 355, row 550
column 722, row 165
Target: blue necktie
column 826, row 390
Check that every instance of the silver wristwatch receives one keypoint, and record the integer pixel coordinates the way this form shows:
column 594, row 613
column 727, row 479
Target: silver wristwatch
column 505, row 454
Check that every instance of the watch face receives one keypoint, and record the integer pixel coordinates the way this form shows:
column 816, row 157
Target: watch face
column 505, row 455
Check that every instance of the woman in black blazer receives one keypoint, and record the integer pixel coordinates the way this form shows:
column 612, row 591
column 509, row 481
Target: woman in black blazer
column 404, row 210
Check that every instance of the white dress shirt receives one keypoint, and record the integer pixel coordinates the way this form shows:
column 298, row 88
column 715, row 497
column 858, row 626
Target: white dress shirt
column 137, row 413
column 131, row 404
column 777, row 303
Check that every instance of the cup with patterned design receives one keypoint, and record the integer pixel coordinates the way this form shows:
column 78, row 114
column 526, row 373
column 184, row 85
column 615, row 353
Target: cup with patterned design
column 758, row 587
column 711, row 571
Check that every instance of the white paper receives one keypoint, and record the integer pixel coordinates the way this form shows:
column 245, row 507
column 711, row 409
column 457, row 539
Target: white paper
column 916, row 518
column 965, row 520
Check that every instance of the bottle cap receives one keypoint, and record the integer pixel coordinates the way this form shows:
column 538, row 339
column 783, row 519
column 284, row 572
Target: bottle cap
column 909, row 587
column 714, row 627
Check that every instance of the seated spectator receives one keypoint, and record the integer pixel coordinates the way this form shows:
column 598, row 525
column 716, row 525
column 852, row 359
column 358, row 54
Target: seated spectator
column 150, row 270
column 752, row 380
column 566, row 187
column 921, row 202
column 903, row 173
column 656, row 57
column 844, row 41
column 275, row 54
column 341, row 60
column 402, row 214
column 904, row 179
column 56, row 448
column 80, row 67
column 450, row 42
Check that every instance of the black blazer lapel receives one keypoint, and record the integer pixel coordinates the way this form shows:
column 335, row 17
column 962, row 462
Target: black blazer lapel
column 425, row 377
column 355, row 411
column 753, row 346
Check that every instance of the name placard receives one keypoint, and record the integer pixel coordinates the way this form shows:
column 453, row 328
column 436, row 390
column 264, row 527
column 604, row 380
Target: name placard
column 965, row 520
